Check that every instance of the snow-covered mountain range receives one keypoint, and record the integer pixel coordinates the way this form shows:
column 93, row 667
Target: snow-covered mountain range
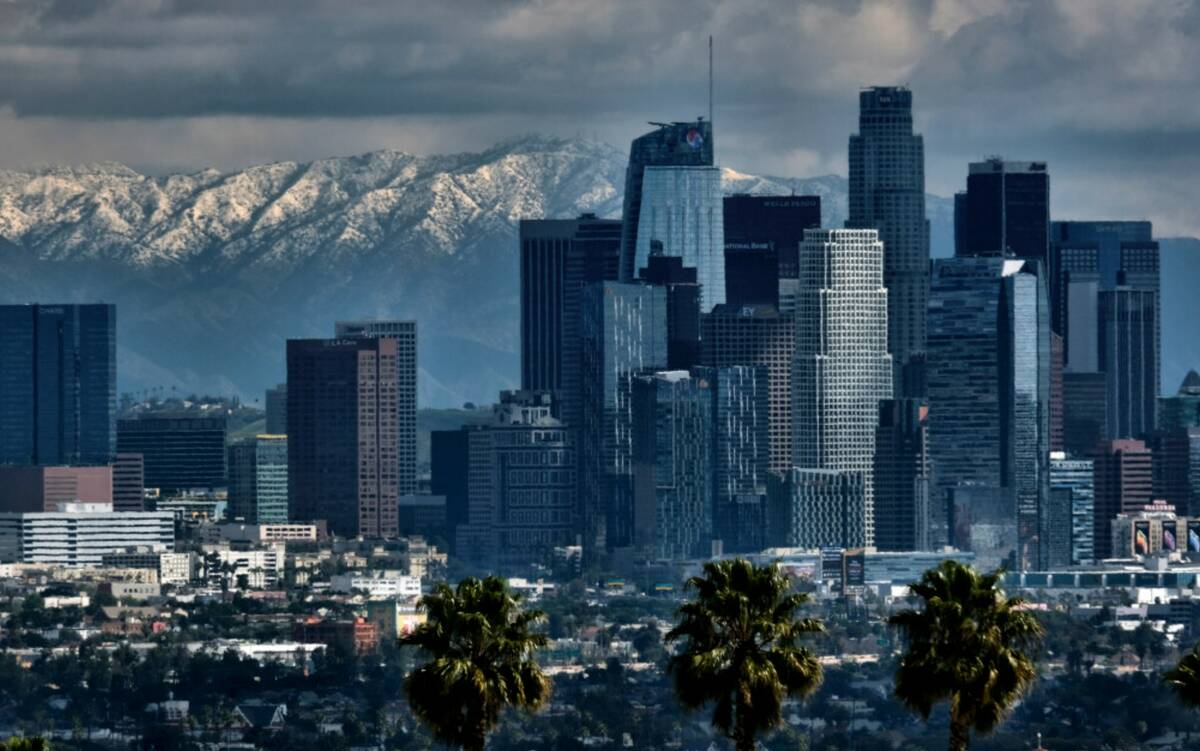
column 212, row 271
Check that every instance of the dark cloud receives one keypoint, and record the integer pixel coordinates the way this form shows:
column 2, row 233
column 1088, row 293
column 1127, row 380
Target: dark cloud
column 211, row 82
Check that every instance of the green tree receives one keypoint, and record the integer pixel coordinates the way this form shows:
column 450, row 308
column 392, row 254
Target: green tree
column 742, row 650
column 969, row 644
column 25, row 744
column 480, row 642
column 1184, row 678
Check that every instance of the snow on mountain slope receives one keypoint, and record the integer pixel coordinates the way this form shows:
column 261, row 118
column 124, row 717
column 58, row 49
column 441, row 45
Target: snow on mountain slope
column 212, row 271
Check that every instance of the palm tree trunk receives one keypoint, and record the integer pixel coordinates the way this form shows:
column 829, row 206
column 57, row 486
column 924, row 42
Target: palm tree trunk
column 743, row 733
column 960, row 734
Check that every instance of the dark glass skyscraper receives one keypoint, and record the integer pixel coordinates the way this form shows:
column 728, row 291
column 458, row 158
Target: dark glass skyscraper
column 887, row 193
column 688, row 144
column 989, row 387
column 762, row 245
column 343, row 455
column 683, row 308
column 902, row 476
column 624, row 330
column 58, row 384
column 558, row 258
column 1007, row 210
column 1105, row 300
column 178, row 453
column 740, row 455
column 258, row 480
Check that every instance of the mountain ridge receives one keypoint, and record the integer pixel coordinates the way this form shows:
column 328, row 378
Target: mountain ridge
column 212, row 271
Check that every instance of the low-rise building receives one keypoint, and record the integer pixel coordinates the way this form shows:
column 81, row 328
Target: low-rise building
column 81, row 534
column 380, row 585
column 170, row 568
column 393, row 618
column 358, row 635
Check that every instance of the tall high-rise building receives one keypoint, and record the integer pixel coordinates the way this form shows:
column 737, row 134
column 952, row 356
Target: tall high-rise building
column 1183, row 409
column 1072, row 485
column 686, row 144
column 449, row 464
column 740, row 455
column 129, row 483
column 404, row 333
column 902, row 511
column 842, row 367
column 1176, row 462
column 683, row 307
column 1124, row 481
column 762, row 245
column 989, row 385
column 276, row 409
column 258, row 480
column 887, row 193
column 1129, row 357
column 757, row 335
column 1007, row 210
column 178, row 453
column 343, row 448
column 683, row 208
column 1085, row 412
column 624, row 329
column 1055, row 402
column 814, row 508
column 558, row 258
column 672, row 465
column 58, row 384
column 521, row 485
column 1105, row 300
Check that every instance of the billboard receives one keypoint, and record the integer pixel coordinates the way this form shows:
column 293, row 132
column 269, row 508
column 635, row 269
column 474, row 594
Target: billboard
column 1169, row 543
column 856, row 568
column 1141, row 538
column 1193, row 536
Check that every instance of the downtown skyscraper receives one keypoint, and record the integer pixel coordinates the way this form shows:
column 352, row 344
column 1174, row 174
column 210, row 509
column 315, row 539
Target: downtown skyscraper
column 58, row 384
column 673, row 197
column 1005, row 211
column 843, row 369
column 887, row 193
column 343, row 441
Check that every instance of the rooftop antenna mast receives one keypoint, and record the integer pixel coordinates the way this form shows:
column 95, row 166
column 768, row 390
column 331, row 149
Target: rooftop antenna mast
column 710, row 80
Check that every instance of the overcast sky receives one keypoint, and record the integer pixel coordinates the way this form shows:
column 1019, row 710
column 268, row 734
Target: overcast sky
column 1106, row 91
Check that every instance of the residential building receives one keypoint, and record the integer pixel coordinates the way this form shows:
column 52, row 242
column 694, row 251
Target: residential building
column 887, row 193
column 624, row 333
column 842, row 367
column 816, row 508
column 256, row 568
column 673, row 473
column 170, row 568
column 58, row 388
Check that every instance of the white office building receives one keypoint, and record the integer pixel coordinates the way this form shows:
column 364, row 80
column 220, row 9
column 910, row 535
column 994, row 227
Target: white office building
column 80, row 534
column 384, row 585
column 684, row 209
column 843, row 368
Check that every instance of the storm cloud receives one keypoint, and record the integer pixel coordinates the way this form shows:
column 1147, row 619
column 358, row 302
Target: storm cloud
column 1104, row 90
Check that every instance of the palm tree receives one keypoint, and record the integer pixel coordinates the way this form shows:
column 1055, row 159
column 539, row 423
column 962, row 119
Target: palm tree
column 1184, row 678
column 742, row 650
column 968, row 645
column 481, row 644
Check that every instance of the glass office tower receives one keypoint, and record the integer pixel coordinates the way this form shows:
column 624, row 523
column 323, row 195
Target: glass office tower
column 58, row 384
column 887, row 193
